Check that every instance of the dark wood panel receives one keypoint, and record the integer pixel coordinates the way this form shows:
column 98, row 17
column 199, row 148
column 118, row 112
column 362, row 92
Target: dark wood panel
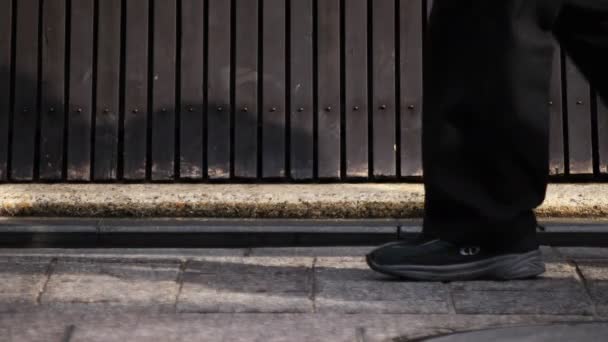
column 52, row 109
column 411, row 86
column 218, row 90
column 136, row 90
column 602, row 123
column 26, row 90
column 246, row 89
column 163, row 94
column 108, row 88
column 356, row 89
column 192, row 93
column 329, row 87
column 579, row 121
column 383, row 105
column 273, row 106
column 81, row 91
column 301, row 88
column 6, row 23
column 556, row 163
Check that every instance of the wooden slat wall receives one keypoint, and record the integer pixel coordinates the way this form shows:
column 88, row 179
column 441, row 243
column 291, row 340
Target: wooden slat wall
column 80, row 108
column 246, row 89
column 579, row 121
column 6, row 30
column 135, row 125
column 108, row 87
column 231, row 90
column 602, row 124
column 26, row 85
column 301, row 90
column 192, row 94
column 556, row 107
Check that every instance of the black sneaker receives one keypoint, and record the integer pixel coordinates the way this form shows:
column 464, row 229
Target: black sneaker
column 433, row 259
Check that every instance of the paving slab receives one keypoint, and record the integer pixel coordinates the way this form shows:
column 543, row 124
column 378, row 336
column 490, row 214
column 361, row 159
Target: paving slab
column 583, row 253
column 21, row 284
column 558, row 291
column 312, row 251
column 596, row 278
column 261, row 327
column 346, row 284
column 543, row 333
column 117, row 254
column 251, row 284
column 122, row 285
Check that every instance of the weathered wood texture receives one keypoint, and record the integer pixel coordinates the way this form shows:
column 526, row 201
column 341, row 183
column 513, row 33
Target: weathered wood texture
column 256, row 90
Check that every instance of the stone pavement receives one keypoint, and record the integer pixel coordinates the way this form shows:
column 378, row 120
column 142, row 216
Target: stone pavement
column 289, row 294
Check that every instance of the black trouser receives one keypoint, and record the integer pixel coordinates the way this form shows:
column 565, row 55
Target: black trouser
column 486, row 120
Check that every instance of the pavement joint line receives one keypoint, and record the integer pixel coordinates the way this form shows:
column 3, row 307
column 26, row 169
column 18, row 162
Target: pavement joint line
column 451, row 303
column 360, row 333
column 68, row 333
column 313, row 281
column 180, row 282
column 48, row 272
column 585, row 284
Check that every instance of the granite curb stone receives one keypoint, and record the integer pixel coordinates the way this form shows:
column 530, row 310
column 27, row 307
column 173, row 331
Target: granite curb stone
column 361, row 200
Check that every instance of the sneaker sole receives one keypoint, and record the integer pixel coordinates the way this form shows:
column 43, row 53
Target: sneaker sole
column 503, row 267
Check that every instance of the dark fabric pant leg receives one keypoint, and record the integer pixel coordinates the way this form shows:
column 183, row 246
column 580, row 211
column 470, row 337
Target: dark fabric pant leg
column 582, row 30
column 486, row 119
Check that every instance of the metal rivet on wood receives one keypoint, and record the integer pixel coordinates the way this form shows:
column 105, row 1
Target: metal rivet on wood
column 273, row 109
column 328, row 108
column 245, row 109
column 135, row 111
column 300, row 109
column 51, row 110
column 220, row 109
column 411, row 107
column 383, row 107
column 356, row 108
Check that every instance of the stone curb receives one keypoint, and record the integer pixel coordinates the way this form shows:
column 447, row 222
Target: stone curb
column 311, row 201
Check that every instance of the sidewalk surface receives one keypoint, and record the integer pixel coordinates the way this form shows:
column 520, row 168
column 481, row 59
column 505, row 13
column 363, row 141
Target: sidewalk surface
column 289, row 294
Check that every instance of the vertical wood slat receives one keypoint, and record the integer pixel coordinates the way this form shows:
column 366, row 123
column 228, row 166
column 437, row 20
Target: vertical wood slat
column 383, row 102
column 246, row 89
column 301, row 87
column 81, row 90
column 26, row 89
column 163, row 90
column 602, row 124
column 107, row 90
column 6, row 31
column 411, row 86
column 136, row 90
column 579, row 121
column 192, row 94
column 273, row 80
column 328, row 75
column 218, row 90
column 356, row 89
column 556, row 157
column 52, row 109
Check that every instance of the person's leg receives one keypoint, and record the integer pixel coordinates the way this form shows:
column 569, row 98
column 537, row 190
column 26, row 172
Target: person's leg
column 582, row 30
column 485, row 142
column 486, row 119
